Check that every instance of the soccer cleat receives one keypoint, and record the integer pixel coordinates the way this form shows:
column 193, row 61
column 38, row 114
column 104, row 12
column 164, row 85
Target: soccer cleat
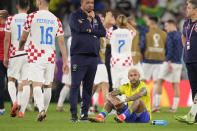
column 171, row 110
column 41, row 116
column 119, row 119
column 74, row 118
column 155, row 110
column 83, row 117
column 20, row 115
column 60, row 109
column 2, row 112
column 97, row 119
column 14, row 109
column 186, row 119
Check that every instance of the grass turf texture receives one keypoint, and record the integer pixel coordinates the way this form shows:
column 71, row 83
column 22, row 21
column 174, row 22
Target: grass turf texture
column 59, row 121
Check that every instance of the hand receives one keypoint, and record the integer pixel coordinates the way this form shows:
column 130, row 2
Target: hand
column 170, row 66
column 92, row 14
column 5, row 62
column 65, row 68
column 80, row 21
column 21, row 48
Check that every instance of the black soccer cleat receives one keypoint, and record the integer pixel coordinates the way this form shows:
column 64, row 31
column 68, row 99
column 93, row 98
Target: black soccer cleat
column 83, row 117
column 74, row 118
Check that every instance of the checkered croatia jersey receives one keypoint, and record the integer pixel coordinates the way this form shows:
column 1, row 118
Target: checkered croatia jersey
column 14, row 25
column 43, row 27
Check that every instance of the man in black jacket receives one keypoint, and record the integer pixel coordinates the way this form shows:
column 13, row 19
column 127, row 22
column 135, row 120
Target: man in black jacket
column 86, row 30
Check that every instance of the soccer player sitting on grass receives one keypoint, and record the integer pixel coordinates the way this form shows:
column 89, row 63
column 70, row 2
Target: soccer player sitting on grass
column 138, row 102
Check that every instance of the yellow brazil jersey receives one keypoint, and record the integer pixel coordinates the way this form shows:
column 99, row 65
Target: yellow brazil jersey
column 128, row 91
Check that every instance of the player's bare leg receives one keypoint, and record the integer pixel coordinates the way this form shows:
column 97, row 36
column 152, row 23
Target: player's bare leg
column 137, row 106
column 63, row 94
column 105, row 90
column 156, row 108
column 107, row 109
column 96, row 90
column 176, row 98
column 12, row 93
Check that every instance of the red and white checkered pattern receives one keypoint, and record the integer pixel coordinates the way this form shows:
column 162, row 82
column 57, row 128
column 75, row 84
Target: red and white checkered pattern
column 14, row 25
column 29, row 21
column 8, row 23
column 52, row 59
column 60, row 29
column 33, row 53
column 109, row 33
column 12, row 50
column 127, row 61
column 39, row 49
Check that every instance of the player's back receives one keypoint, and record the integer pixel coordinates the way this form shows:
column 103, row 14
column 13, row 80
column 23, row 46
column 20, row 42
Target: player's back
column 43, row 27
column 14, row 25
column 121, row 42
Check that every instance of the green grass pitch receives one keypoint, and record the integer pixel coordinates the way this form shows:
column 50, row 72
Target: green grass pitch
column 59, row 121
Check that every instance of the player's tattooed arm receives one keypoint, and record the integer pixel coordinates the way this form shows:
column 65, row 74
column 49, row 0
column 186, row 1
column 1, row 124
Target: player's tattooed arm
column 136, row 96
column 110, row 96
column 23, row 39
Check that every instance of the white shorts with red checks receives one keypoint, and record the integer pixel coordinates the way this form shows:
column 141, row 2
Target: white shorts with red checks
column 18, row 68
column 41, row 72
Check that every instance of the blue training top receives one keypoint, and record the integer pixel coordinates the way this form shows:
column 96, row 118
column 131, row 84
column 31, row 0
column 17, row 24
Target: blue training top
column 84, row 43
column 190, row 56
column 174, row 47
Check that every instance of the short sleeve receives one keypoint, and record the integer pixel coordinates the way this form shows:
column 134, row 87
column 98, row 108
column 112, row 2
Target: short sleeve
column 28, row 21
column 8, row 24
column 60, row 31
column 109, row 34
column 122, row 89
column 133, row 32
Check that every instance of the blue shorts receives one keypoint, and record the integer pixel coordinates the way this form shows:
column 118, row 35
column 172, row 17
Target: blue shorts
column 144, row 117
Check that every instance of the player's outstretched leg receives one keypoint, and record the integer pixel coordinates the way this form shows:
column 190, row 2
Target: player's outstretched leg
column 100, row 118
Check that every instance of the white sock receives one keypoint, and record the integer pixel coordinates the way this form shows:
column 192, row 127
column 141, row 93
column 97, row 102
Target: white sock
column 81, row 91
column 95, row 97
column 12, row 90
column 19, row 97
column 63, row 94
column 158, row 100
column 47, row 98
column 154, row 94
column 38, row 98
column 193, row 109
column 175, row 103
column 25, row 98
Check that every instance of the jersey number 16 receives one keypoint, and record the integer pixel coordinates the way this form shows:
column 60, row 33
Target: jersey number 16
column 46, row 37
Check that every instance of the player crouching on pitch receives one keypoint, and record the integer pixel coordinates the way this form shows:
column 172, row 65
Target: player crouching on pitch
column 138, row 102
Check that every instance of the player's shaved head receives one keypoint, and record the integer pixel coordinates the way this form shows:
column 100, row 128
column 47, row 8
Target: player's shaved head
column 135, row 70
column 134, row 76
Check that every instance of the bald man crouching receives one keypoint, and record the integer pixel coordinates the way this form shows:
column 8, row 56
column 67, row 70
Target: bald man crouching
column 136, row 108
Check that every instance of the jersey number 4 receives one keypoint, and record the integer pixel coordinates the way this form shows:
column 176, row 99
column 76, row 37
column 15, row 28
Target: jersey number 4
column 46, row 37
